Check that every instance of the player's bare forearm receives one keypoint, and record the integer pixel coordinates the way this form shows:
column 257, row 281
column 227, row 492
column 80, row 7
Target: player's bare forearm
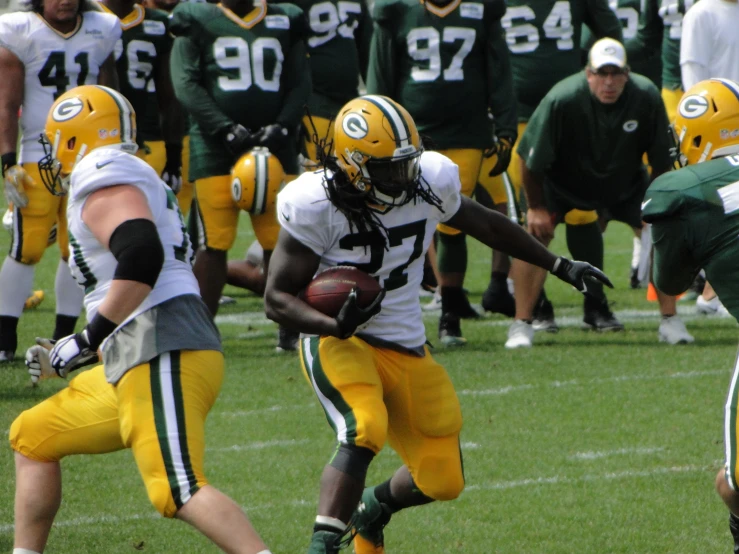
column 11, row 99
column 500, row 233
column 122, row 298
column 291, row 267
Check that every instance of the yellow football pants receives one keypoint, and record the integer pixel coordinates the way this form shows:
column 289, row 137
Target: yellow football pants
column 371, row 395
column 40, row 224
column 155, row 154
column 157, row 409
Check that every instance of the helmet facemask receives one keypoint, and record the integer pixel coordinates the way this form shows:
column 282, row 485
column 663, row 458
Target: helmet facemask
column 50, row 168
column 389, row 181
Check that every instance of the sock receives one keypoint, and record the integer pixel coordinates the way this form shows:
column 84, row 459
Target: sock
column 498, row 278
column 64, row 327
column 24, row 551
column 384, row 496
column 451, row 254
column 451, row 297
column 69, row 294
column 8, row 333
column 261, row 552
column 645, row 260
column 586, row 244
column 16, row 281
column 636, row 253
column 734, row 528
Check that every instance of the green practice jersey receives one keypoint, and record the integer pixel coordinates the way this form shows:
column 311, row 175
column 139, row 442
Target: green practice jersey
column 695, row 224
column 644, row 57
column 544, row 40
column 338, row 43
column 591, row 153
column 145, row 42
column 226, row 69
column 663, row 20
column 447, row 66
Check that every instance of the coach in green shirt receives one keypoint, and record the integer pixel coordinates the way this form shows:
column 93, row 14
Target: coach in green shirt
column 583, row 150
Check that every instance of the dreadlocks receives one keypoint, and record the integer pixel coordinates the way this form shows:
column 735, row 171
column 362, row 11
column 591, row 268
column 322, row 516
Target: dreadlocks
column 358, row 206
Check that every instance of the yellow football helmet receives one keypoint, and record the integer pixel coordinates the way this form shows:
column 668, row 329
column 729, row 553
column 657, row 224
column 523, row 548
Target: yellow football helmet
column 81, row 120
column 707, row 122
column 376, row 144
column 255, row 181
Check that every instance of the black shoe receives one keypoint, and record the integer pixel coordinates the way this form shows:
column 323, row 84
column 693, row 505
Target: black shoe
column 599, row 317
column 287, row 340
column 734, row 528
column 450, row 332
column 634, row 281
column 543, row 319
column 497, row 299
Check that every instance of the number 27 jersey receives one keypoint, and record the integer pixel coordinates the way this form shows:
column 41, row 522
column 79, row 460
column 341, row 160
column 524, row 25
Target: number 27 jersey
column 305, row 212
column 54, row 63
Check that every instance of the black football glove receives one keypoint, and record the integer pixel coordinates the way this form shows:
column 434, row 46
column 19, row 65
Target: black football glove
column 352, row 316
column 274, row 137
column 578, row 274
column 238, row 139
column 72, row 352
column 502, row 149
column 172, row 174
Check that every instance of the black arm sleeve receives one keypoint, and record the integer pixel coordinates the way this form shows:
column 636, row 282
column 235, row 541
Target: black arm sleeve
column 137, row 248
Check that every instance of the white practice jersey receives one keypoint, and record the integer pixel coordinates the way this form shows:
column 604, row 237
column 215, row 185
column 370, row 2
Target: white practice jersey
column 92, row 264
column 305, row 212
column 54, row 63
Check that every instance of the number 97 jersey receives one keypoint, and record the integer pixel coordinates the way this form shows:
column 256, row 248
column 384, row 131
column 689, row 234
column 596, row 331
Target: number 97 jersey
column 53, row 64
column 394, row 257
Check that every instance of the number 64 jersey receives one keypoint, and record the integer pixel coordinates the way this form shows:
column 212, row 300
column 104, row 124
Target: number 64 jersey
column 54, row 63
column 305, row 212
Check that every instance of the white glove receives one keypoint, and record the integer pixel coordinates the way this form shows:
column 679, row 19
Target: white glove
column 16, row 181
column 173, row 180
column 72, row 352
column 37, row 361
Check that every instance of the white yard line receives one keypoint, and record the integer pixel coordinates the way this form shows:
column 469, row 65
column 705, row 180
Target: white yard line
column 597, row 455
column 493, row 485
column 259, row 445
column 585, row 382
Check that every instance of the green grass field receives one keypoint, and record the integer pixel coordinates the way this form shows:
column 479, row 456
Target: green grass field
column 585, row 444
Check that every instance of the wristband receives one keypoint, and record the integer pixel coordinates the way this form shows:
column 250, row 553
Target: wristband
column 8, row 160
column 98, row 330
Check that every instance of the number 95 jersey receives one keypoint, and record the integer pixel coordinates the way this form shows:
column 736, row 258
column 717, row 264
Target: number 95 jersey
column 54, row 63
column 305, row 212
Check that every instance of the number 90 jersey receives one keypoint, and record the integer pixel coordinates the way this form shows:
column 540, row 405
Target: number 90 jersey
column 305, row 212
column 53, row 64
column 92, row 264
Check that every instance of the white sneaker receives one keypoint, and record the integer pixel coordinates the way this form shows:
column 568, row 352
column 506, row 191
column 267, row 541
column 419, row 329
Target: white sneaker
column 723, row 312
column 707, row 306
column 520, row 335
column 672, row 331
column 435, row 303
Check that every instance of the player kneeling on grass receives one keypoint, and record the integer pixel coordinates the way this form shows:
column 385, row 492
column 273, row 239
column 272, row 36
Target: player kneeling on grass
column 162, row 362
column 375, row 206
column 694, row 214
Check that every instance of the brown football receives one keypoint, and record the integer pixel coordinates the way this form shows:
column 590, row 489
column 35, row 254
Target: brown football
column 330, row 288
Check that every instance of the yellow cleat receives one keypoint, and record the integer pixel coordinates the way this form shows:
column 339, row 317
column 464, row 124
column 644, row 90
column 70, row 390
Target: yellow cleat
column 364, row 546
column 34, row 300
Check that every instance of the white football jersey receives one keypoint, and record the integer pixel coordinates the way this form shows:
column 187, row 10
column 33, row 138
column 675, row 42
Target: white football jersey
column 91, row 263
column 54, row 63
column 306, row 213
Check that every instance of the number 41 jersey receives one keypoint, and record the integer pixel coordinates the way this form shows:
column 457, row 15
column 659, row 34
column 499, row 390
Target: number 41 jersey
column 305, row 212
column 54, row 63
